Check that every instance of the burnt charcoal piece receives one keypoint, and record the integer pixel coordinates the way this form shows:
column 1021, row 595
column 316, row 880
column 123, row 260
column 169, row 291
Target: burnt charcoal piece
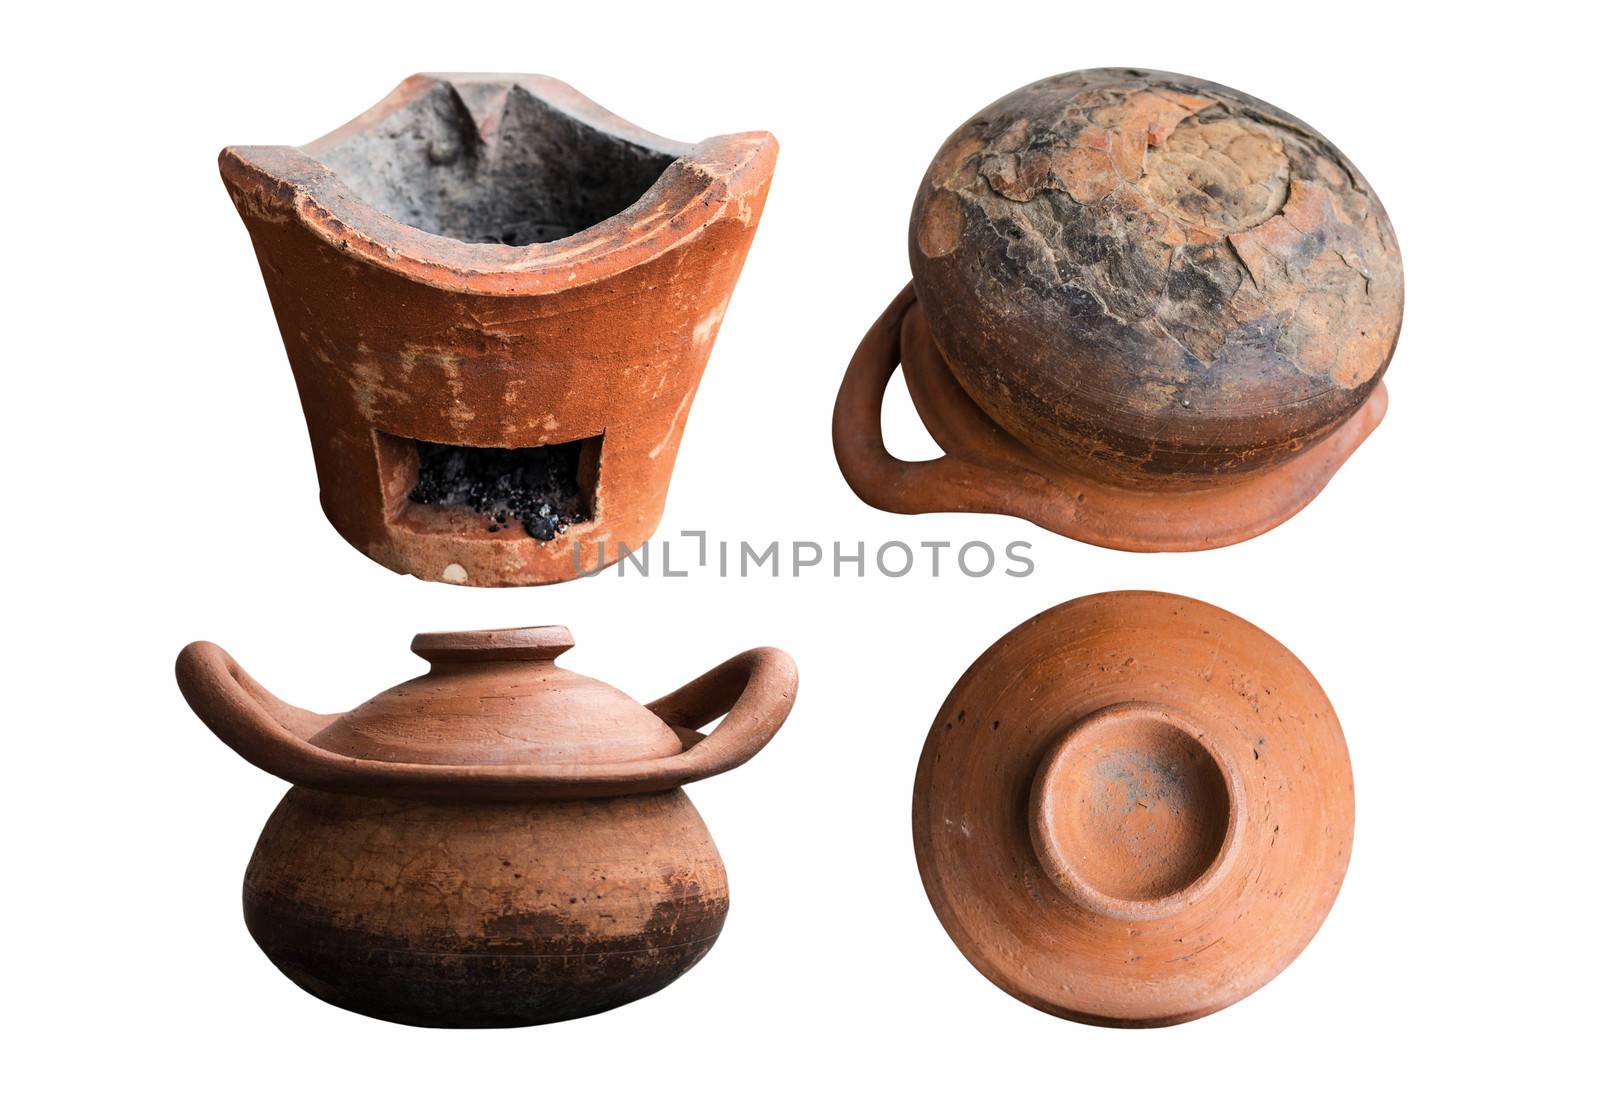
column 536, row 486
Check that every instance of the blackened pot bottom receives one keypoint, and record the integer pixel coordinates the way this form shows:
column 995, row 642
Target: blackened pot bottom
column 470, row 914
column 473, row 987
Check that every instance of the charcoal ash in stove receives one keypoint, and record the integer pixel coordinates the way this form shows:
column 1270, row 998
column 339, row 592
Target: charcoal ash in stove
column 536, row 486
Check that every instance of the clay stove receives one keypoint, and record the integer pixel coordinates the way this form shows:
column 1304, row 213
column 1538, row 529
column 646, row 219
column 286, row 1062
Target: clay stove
column 497, row 299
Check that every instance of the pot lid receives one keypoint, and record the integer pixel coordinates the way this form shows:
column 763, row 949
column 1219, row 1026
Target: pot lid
column 1155, row 272
column 498, row 698
column 1134, row 809
column 496, row 719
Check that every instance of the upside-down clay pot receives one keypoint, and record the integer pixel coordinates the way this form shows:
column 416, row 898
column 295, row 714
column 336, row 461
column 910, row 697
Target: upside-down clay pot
column 496, row 843
column 497, row 299
column 1146, row 311
column 1133, row 810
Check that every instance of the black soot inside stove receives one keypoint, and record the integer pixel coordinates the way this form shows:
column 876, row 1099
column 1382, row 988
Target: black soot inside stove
column 538, row 487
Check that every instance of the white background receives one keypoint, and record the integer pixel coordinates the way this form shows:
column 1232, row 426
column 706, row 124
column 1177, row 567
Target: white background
column 162, row 490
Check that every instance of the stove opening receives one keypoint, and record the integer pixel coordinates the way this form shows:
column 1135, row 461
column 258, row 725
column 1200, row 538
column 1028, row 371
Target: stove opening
column 538, row 490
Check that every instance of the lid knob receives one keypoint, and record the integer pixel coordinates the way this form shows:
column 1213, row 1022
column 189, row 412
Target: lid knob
column 507, row 644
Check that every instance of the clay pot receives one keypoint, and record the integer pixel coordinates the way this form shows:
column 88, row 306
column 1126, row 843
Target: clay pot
column 1146, row 311
column 498, row 842
column 497, row 299
column 1133, row 810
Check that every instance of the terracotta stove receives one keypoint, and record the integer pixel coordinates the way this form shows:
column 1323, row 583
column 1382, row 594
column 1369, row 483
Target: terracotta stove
column 497, row 299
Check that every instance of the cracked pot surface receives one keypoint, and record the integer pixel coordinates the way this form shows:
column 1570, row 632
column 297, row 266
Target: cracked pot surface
column 1151, row 278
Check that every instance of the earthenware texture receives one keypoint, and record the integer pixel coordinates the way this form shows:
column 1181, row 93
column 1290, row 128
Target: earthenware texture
column 1134, row 809
column 499, row 842
column 497, row 299
column 1147, row 311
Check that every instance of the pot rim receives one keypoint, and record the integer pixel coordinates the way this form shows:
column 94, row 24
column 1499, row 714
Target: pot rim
column 717, row 178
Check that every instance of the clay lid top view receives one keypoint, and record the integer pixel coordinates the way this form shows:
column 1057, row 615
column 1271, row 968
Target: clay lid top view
column 1155, row 273
column 1134, row 809
column 496, row 718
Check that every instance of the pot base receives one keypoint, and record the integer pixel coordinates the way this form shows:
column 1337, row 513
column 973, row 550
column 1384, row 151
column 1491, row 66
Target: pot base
column 985, row 469
column 423, row 988
column 1133, row 810
column 484, row 915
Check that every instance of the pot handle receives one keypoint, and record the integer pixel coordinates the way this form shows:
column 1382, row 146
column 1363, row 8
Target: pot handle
column 755, row 690
column 968, row 478
column 263, row 730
